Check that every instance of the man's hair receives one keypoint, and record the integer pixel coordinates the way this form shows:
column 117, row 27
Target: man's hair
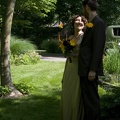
column 91, row 3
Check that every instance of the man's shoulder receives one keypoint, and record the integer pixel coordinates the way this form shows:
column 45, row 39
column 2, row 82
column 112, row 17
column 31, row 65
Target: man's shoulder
column 98, row 19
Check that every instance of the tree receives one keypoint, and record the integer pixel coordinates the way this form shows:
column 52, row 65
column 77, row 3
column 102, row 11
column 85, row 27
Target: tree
column 38, row 7
column 5, row 47
column 109, row 10
column 66, row 8
column 31, row 16
column 27, row 13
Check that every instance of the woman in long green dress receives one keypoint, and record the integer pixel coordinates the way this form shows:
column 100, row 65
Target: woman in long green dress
column 71, row 100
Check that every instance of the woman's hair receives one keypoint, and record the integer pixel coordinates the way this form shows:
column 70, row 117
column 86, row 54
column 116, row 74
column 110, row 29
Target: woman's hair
column 76, row 16
column 70, row 25
column 84, row 20
column 91, row 3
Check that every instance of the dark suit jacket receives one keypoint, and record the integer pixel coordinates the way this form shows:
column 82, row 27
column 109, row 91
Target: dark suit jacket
column 91, row 48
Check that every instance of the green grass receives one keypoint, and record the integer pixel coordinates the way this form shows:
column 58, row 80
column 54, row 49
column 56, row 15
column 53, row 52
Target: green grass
column 44, row 102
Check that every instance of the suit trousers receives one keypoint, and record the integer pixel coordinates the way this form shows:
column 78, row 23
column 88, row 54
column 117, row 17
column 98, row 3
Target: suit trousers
column 90, row 98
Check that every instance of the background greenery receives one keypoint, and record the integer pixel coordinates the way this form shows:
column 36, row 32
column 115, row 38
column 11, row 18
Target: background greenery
column 23, row 51
column 37, row 20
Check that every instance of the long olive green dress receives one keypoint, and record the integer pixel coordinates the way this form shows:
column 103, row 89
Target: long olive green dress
column 71, row 99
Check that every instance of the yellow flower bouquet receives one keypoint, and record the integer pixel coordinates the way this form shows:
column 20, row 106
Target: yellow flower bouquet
column 67, row 46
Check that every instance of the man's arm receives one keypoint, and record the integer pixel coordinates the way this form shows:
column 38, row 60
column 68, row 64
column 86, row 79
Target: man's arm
column 99, row 38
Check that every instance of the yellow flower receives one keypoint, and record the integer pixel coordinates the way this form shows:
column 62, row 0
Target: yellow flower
column 60, row 25
column 61, row 46
column 72, row 42
column 89, row 25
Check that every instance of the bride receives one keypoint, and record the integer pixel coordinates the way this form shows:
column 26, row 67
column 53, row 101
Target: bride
column 71, row 98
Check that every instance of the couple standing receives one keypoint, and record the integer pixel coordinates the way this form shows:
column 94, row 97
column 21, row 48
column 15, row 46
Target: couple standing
column 80, row 99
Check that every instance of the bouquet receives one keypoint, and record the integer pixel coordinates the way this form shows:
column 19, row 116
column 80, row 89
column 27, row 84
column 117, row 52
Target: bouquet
column 67, row 46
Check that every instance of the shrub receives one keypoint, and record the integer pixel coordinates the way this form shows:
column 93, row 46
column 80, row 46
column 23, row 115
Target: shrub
column 110, row 104
column 102, row 91
column 21, row 46
column 25, row 59
column 4, row 90
column 23, row 88
column 112, row 59
column 110, row 97
column 51, row 46
column 21, row 52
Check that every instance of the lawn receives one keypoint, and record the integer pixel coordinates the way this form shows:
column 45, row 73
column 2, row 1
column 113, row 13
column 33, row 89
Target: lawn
column 44, row 102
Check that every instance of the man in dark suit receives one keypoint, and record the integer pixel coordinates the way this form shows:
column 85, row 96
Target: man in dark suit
column 90, row 57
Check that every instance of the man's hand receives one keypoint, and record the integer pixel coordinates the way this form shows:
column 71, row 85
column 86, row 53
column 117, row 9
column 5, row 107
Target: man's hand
column 91, row 75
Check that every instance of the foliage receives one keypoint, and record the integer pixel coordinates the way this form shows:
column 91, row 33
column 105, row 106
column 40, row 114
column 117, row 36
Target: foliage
column 2, row 8
column 51, row 46
column 110, row 103
column 102, row 91
column 31, row 14
column 24, row 88
column 69, row 8
column 25, row 59
column 110, row 98
column 38, row 7
column 31, row 17
column 111, row 17
column 112, row 58
column 4, row 90
column 20, row 46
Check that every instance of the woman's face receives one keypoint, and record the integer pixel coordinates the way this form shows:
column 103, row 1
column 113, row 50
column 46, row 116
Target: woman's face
column 78, row 24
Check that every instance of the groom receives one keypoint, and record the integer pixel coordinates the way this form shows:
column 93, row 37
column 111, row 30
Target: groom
column 90, row 59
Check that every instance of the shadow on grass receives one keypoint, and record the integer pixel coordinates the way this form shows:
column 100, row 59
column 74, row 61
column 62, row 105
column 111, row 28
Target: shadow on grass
column 34, row 107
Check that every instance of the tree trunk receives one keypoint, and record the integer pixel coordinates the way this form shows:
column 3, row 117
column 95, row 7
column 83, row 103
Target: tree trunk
column 5, row 45
column 5, row 50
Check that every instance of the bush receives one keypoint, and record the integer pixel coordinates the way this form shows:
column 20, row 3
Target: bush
column 23, row 88
column 110, row 104
column 21, row 46
column 112, row 59
column 110, row 97
column 4, row 90
column 102, row 91
column 21, row 52
column 25, row 59
column 51, row 46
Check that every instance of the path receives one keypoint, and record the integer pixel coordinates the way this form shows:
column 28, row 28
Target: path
column 62, row 59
